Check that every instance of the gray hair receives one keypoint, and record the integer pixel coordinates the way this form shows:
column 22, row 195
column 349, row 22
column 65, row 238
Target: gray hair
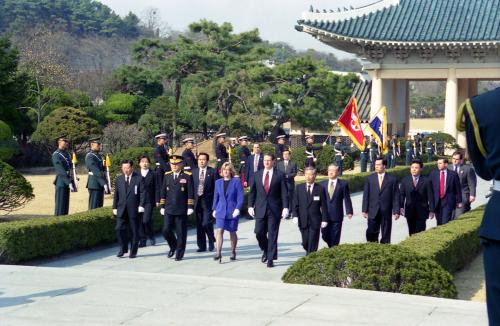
column 334, row 166
column 309, row 168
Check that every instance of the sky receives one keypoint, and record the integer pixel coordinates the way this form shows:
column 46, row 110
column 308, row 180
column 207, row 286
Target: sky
column 275, row 19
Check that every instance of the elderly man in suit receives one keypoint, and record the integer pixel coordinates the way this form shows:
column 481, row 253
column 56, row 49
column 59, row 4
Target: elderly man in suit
column 203, row 183
column 380, row 200
column 268, row 204
column 289, row 169
column 447, row 191
column 128, row 203
column 310, row 210
column 417, row 198
column 468, row 182
column 337, row 194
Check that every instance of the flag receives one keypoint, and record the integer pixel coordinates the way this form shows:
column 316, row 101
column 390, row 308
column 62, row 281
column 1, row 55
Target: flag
column 350, row 123
column 378, row 128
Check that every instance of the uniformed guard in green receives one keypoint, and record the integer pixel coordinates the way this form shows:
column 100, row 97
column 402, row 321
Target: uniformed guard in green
column 338, row 148
column 409, row 151
column 374, row 153
column 64, row 179
column 96, row 183
column 363, row 158
column 392, row 153
column 429, row 149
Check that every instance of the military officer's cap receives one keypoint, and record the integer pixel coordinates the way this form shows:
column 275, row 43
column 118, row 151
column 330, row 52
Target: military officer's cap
column 281, row 137
column 223, row 135
column 188, row 140
column 309, row 136
column 95, row 140
column 161, row 136
column 175, row 159
column 62, row 137
column 243, row 138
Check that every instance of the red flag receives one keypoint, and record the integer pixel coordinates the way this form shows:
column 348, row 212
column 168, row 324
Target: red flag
column 350, row 123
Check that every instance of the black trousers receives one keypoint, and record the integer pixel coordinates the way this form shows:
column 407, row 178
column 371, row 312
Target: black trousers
column 291, row 189
column 363, row 162
column 204, row 225
column 491, row 256
column 331, row 233
column 175, row 232
column 310, row 239
column 379, row 225
column 338, row 163
column 127, row 230
column 96, row 198
column 444, row 213
column 146, row 223
column 266, row 232
column 62, row 201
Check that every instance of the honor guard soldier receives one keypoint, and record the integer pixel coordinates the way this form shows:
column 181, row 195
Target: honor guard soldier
column 418, row 145
column 243, row 155
column 365, row 152
column 188, row 156
column 280, row 147
column 310, row 148
column 391, row 152
column 96, row 183
column 339, row 154
column 374, row 153
column 64, row 180
column 408, row 151
column 479, row 118
column 176, row 203
column 221, row 151
column 429, row 149
column 161, row 158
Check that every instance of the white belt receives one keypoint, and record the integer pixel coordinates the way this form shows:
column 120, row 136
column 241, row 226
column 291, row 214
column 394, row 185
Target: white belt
column 157, row 164
column 90, row 173
column 496, row 185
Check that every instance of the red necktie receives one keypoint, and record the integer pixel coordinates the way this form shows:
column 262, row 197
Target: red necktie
column 441, row 185
column 266, row 182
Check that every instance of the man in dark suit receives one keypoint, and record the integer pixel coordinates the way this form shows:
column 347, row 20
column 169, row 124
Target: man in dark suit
column 289, row 169
column 310, row 210
column 268, row 203
column 204, row 183
column 468, row 182
column 380, row 200
column 128, row 202
column 417, row 198
column 447, row 191
column 176, row 204
column 64, row 180
column 96, row 182
column 151, row 200
column 337, row 194
column 254, row 164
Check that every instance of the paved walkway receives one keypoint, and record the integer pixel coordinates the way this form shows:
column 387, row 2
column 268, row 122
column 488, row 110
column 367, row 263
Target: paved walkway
column 95, row 286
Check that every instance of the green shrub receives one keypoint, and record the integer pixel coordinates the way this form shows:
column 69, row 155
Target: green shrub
column 453, row 245
column 374, row 267
column 298, row 155
column 45, row 237
column 15, row 190
column 8, row 146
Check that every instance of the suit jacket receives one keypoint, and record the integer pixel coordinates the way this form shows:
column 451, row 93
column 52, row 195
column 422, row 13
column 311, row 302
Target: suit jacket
column 310, row 209
column 290, row 172
column 94, row 163
column 225, row 203
column 208, row 187
column 417, row 201
column 453, row 191
column 128, row 199
column 249, row 173
column 274, row 200
column 468, row 179
column 385, row 199
column 176, row 196
column 341, row 195
column 151, row 194
column 63, row 165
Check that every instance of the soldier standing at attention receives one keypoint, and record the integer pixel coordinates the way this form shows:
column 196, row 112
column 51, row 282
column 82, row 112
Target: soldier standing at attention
column 310, row 148
column 188, row 156
column 363, row 158
column 429, row 148
column 244, row 154
column 96, row 183
column 161, row 158
column 64, row 181
column 338, row 149
column 391, row 154
column 280, row 147
column 221, row 152
column 409, row 151
column 374, row 153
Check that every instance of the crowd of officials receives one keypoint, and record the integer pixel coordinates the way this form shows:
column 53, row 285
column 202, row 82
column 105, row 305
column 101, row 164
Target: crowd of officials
column 184, row 185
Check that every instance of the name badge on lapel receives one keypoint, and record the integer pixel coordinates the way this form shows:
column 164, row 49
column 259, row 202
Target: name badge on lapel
column 135, row 189
column 316, row 198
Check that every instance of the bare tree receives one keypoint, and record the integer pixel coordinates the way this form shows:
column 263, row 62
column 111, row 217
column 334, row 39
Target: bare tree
column 152, row 22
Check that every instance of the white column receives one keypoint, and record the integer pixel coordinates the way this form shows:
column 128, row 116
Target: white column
column 376, row 99
column 451, row 104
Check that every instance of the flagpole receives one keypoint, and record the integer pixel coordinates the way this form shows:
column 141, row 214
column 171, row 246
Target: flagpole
column 331, row 131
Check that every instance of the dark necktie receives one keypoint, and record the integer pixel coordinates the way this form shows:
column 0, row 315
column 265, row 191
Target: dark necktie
column 266, row 182
column 308, row 191
column 127, row 180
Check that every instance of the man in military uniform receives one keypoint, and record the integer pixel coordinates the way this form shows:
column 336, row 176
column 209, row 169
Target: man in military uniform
column 339, row 154
column 363, row 158
column 280, row 147
column 243, row 155
column 176, row 204
column 429, row 149
column 221, row 151
column 96, row 183
column 188, row 156
column 310, row 149
column 392, row 152
column 418, row 145
column 479, row 118
column 408, row 151
column 374, row 153
column 64, row 180
column 161, row 158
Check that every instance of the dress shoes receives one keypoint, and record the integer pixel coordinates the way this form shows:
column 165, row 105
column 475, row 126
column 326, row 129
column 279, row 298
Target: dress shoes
column 270, row 264
column 201, row 250
column 152, row 241
column 171, row 253
column 264, row 257
column 211, row 246
column 142, row 244
column 178, row 258
column 121, row 253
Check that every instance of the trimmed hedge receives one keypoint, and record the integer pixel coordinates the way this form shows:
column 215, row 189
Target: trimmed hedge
column 375, row 267
column 50, row 236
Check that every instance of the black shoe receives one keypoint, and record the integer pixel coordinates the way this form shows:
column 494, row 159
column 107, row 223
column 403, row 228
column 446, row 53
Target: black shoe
column 233, row 256
column 178, row 258
column 171, row 253
column 217, row 257
column 132, row 255
column 121, row 253
column 152, row 241
column 211, row 246
column 270, row 264
column 248, row 217
column 142, row 243
column 201, row 250
column 264, row 257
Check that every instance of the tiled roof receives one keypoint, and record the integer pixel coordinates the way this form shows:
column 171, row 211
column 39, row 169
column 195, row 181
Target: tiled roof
column 414, row 21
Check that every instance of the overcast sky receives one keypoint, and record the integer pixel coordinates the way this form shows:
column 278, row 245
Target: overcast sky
column 275, row 19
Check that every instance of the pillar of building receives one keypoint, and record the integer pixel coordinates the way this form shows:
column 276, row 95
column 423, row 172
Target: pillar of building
column 451, row 104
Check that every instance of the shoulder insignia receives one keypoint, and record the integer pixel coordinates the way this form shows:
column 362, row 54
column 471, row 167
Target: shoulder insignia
column 188, row 173
column 168, row 172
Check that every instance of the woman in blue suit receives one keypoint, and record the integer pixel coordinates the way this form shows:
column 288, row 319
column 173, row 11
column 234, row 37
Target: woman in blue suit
column 228, row 200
